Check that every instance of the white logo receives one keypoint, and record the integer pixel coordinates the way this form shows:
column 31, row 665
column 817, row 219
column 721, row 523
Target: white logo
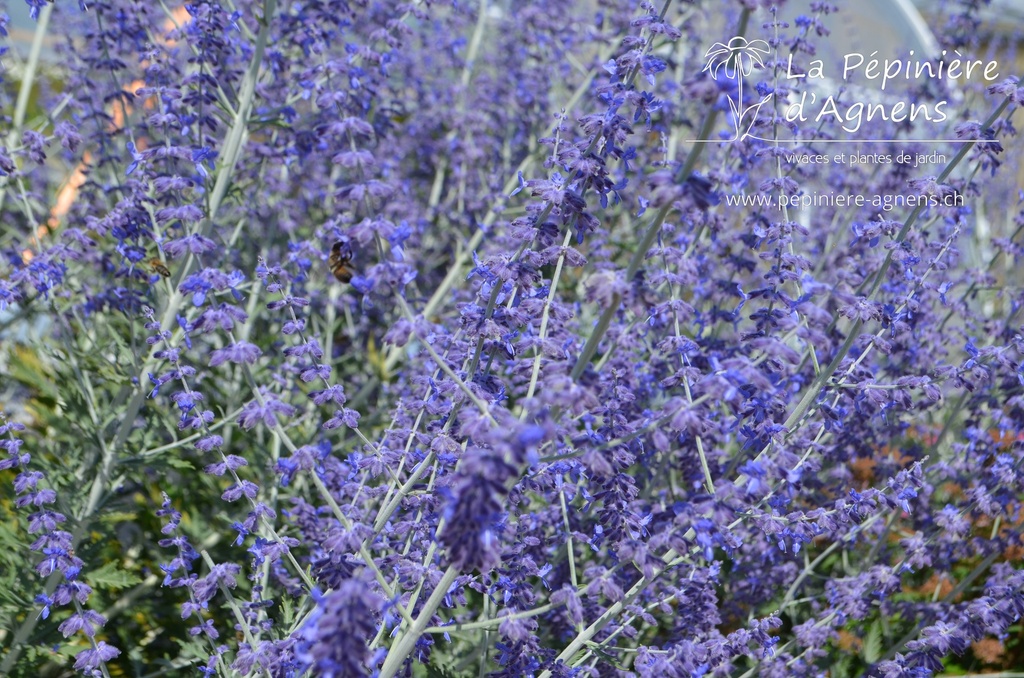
column 737, row 59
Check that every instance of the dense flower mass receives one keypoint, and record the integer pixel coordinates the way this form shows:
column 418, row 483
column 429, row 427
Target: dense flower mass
column 566, row 338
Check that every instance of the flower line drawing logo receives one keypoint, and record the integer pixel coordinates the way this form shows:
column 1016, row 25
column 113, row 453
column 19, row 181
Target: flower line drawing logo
column 737, row 59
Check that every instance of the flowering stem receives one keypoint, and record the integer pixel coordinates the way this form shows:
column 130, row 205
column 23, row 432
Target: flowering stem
column 810, row 567
column 407, row 642
column 490, row 623
column 232, row 152
column 27, row 81
column 651, row 234
column 443, row 364
column 363, row 551
column 544, row 324
column 590, row 348
column 840, row 382
column 961, row 154
column 235, row 609
column 569, row 547
column 582, row 638
column 233, row 147
column 385, row 513
column 325, row 493
column 456, row 269
column 811, row 395
column 957, row 590
column 92, row 641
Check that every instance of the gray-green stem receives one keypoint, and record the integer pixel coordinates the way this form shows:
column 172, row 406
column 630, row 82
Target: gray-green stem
column 804, row 406
column 407, row 642
column 590, row 348
column 25, row 90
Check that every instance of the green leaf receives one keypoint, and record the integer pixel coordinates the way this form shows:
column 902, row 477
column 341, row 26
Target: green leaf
column 437, row 672
column 872, row 650
column 118, row 517
column 9, row 539
column 287, row 611
column 841, row 668
column 178, row 463
column 112, row 577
